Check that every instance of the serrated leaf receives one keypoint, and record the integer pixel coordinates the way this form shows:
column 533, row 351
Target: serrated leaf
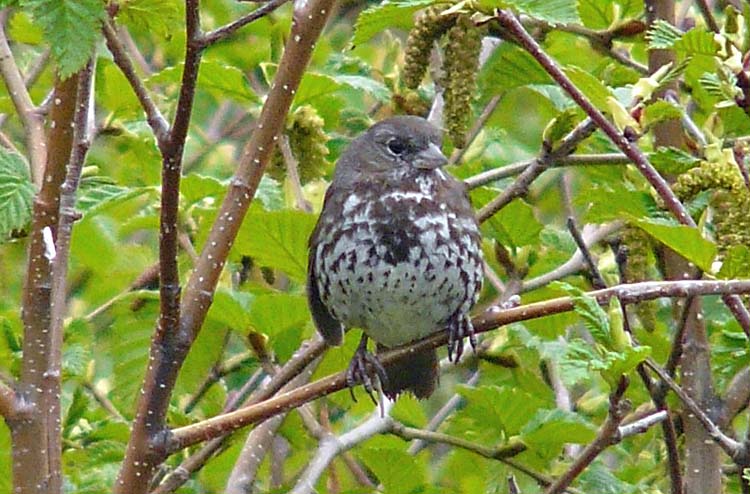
column 622, row 363
column 673, row 161
column 231, row 308
column 75, row 360
column 158, row 16
column 555, row 427
column 71, row 27
column 603, row 14
column 736, row 263
column 662, row 35
column 376, row 89
column 220, row 79
column 399, row 14
column 96, row 195
column 552, row 11
column 594, row 317
column 197, row 188
column 23, row 30
column 590, row 86
column 398, row 471
column 273, row 313
column 682, row 239
column 314, row 86
column 505, row 408
column 277, row 239
column 510, row 66
column 660, row 111
column 697, row 41
column 514, row 225
column 16, row 193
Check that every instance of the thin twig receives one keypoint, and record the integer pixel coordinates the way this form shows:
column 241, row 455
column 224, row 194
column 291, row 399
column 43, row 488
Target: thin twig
column 441, row 415
column 459, row 153
column 528, row 175
column 597, row 280
column 514, row 169
column 660, row 185
column 736, row 450
column 708, row 16
column 155, row 119
column 224, row 32
column 607, row 435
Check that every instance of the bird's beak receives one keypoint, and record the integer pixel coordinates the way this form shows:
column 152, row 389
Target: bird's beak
column 430, row 158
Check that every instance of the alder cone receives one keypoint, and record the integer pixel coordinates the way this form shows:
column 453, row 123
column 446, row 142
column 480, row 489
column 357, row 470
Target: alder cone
column 396, row 250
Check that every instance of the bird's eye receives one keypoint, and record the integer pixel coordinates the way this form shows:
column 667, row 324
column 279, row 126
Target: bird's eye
column 396, row 145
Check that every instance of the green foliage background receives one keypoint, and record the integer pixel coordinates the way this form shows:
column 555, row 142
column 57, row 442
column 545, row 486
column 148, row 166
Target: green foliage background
column 351, row 82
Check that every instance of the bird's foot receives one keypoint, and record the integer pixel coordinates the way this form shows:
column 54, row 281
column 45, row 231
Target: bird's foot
column 458, row 329
column 365, row 368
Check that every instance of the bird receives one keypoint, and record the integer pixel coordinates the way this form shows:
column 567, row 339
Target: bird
column 396, row 252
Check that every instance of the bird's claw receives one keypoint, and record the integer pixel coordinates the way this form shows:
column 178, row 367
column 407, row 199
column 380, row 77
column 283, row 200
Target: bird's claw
column 459, row 329
column 362, row 369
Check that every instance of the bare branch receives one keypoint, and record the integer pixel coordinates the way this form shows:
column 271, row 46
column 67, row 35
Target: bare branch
column 734, row 449
column 608, row 435
column 332, row 446
column 513, row 169
column 155, row 119
column 7, row 402
column 224, row 32
column 489, row 320
column 736, row 397
column 30, row 118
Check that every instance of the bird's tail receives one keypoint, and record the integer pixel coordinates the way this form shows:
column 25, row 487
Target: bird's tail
column 416, row 374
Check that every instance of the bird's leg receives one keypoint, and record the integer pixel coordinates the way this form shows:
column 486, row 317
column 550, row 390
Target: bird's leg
column 458, row 329
column 359, row 372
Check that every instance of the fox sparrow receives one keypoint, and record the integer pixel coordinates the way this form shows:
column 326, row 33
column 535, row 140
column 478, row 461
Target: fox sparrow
column 396, row 252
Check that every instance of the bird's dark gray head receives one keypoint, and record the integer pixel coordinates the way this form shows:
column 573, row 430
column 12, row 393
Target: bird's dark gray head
column 397, row 146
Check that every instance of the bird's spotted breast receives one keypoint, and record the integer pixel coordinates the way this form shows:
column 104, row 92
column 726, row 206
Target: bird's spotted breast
column 399, row 264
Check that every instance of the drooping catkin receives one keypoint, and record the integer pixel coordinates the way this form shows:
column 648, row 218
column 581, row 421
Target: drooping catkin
column 307, row 139
column 430, row 26
column 460, row 66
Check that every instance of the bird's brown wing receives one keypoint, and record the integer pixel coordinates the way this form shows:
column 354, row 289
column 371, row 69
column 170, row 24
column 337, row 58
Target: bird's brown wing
column 328, row 326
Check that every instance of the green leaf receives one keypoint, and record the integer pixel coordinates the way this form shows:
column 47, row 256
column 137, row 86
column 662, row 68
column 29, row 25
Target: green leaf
column 72, row 28
column 697, row 41
column 662, row 35
column 514, row 225
column 594, row 317
column 603, row 14
column 197, row 188
column 398, row 471
column 220, row 79
column 273, row 313
column 591, row 86
column 399, row 14
column 156, row 16
column 510, row 66
column 314, row 86
column 16, row 193
column 23, row 30
column 682, row 239
column 554, row 427
column 506, row 408
column 668, row 160
column 622, row 363
column 552, row 11
column 277, row 239
column 232, row 309
column 736, row 263
column 370, row 86
column 660, row 111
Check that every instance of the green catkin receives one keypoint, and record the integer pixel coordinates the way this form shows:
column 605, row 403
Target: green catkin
column 460, row 66
column 730, row 200
column 637, row 267
column 430, row 26
column 307, row 139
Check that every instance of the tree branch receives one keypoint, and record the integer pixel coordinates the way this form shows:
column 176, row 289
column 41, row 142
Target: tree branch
column 224, row 32
column 155, row 119
column 32, row 121
column 736, row 450
column 608, row 435
column 491, row 319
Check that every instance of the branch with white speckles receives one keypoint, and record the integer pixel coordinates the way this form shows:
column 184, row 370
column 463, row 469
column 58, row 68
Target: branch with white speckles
column 492, row 318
